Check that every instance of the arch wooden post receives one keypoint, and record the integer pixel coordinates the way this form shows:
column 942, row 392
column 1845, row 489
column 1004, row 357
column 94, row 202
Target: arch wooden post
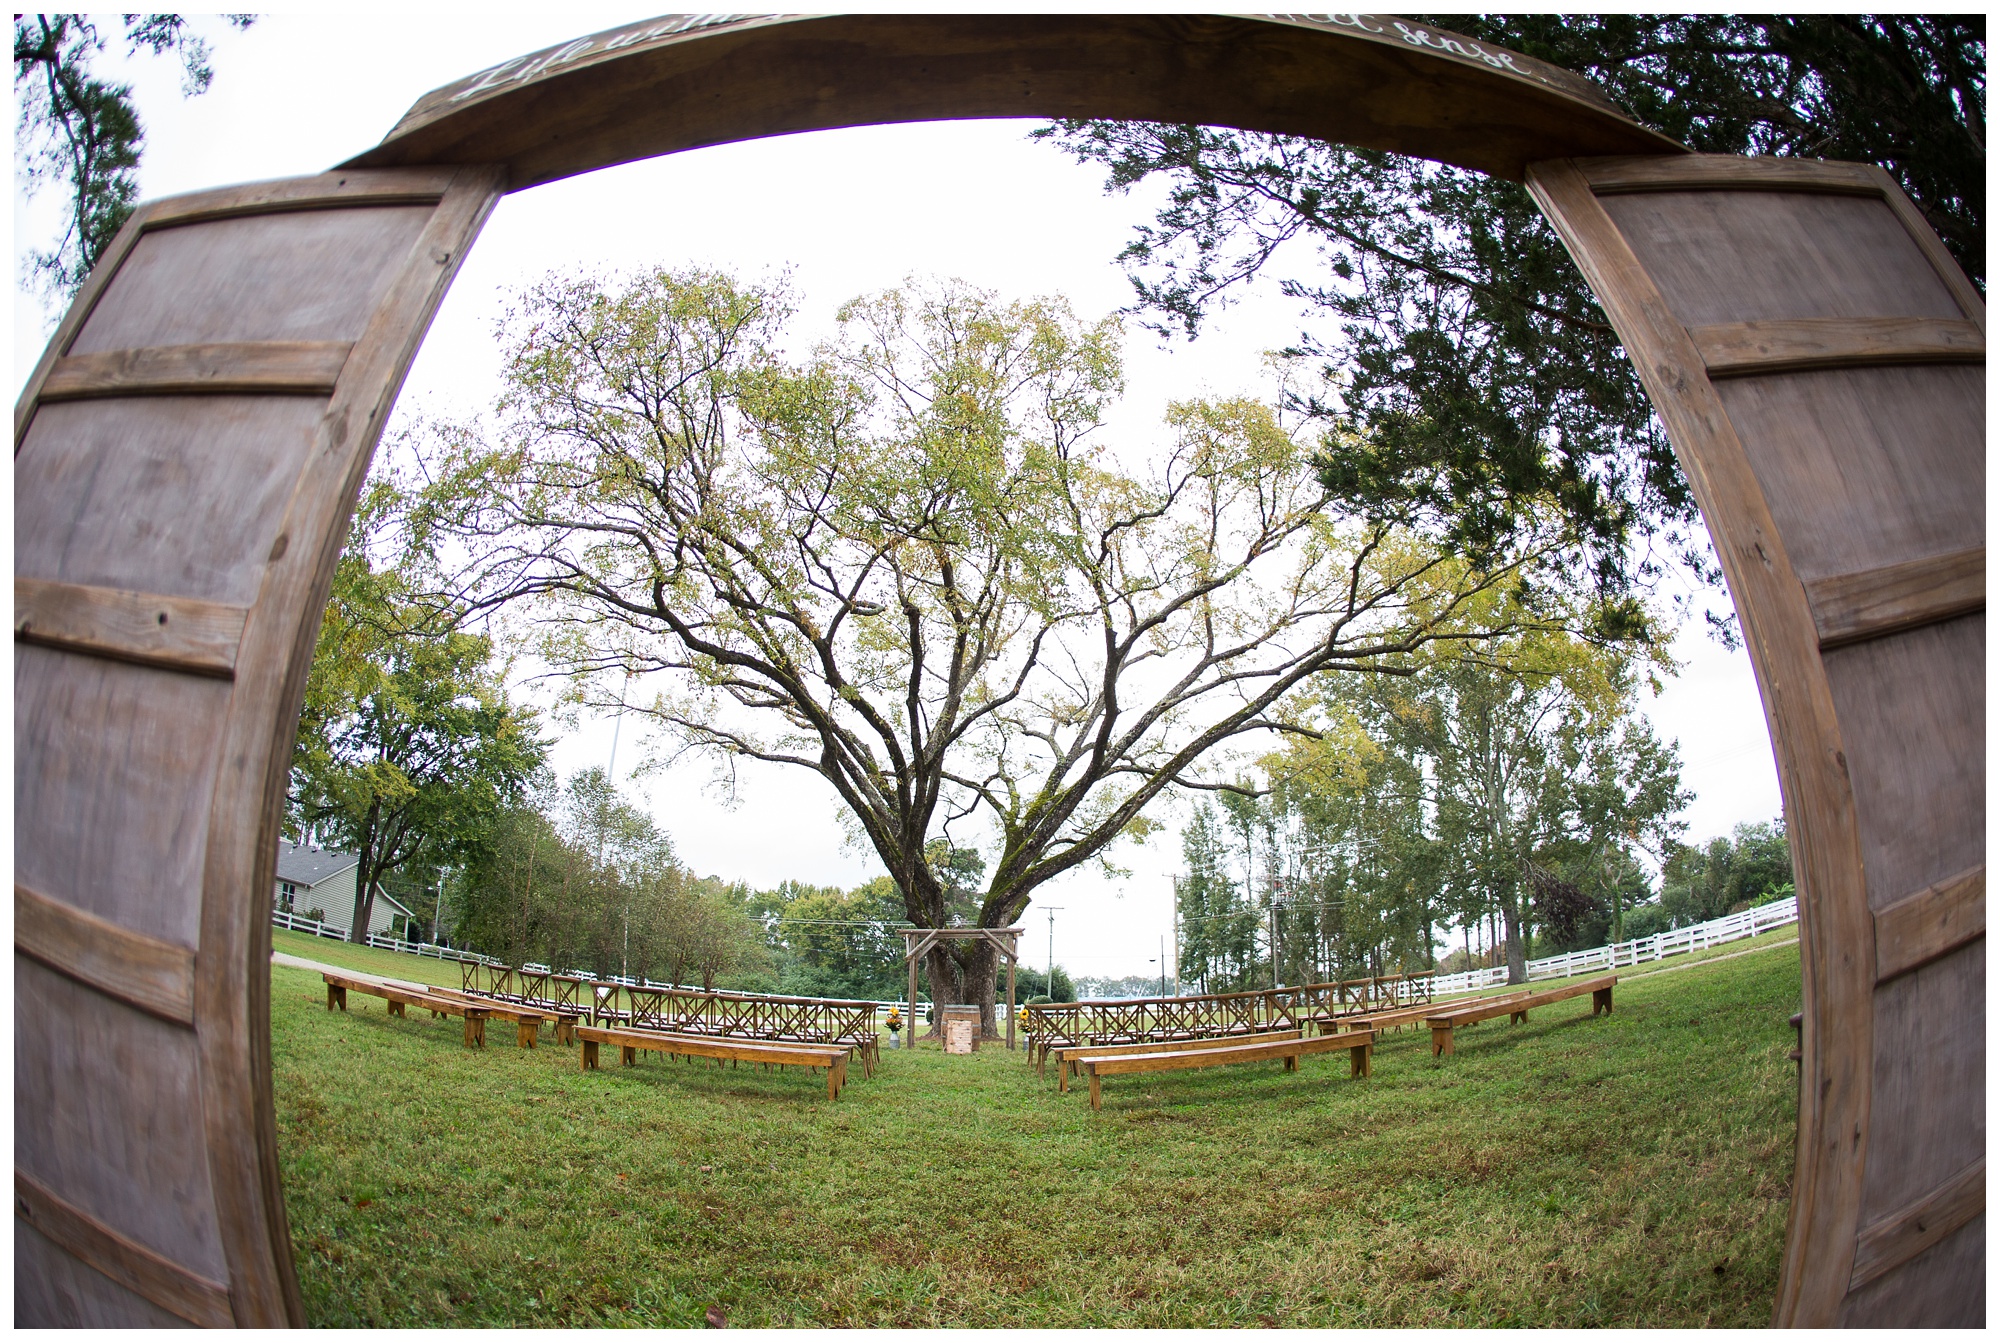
column 1818, row 360
column 188, row 452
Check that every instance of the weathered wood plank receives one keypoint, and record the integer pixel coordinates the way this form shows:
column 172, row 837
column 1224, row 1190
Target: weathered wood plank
column 132, row 1266
column 1798, row 702
column 1939, row 919
column 1743, row 348
column 295, row 367
column 1725, row 172
column 152, row 975
column 177, row 633
column 348, row 187
column 1852, row 608
column 255, row 743
column 1889, row 1242
column 641, row 91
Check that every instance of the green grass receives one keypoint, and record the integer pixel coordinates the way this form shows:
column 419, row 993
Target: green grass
column 368, row 960
column 1629, row 1170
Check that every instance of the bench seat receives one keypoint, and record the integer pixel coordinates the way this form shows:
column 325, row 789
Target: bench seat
column 1359, row 1044
column 1070, row 1059
column 1515, row 1007
column 526, row 1014
column 399, row 998
column 630, row 1040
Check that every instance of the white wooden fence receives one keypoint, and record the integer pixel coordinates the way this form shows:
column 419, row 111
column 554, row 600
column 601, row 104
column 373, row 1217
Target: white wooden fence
column 1673, row 942
column 299, row 923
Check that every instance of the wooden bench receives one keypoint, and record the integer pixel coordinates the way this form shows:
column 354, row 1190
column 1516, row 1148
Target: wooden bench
column 1408, row 1016
column 399, row 998
column 1515, row 1008
column 631, row 1040
column 1359, row 1044
column 520, row 1014
column 1071, row 1057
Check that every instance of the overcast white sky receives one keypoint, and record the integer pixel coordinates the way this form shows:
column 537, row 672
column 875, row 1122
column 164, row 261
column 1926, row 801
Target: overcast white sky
column 848, row 212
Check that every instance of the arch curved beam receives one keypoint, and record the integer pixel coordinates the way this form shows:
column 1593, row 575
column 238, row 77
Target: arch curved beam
column 188, row 451
column 682, row 82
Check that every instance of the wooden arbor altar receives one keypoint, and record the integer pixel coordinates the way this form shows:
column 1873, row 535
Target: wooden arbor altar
column 917, row 943
column 188, row 450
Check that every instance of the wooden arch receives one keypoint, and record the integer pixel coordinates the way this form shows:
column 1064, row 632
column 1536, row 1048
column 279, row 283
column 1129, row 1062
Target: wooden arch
column 188, row 450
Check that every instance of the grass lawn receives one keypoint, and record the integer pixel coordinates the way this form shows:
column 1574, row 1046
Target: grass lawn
column 1629, row 1170
column 368, row 960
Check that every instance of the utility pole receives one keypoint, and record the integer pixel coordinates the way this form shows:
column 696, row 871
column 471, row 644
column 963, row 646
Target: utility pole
column 611, row 780
column 1274, row 939
column 1163, row 967
column 1052, row 951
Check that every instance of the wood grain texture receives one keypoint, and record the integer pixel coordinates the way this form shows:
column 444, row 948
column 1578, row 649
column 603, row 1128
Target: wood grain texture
column 177, row 633
column 1903, row 1235
column 128, row 494
column 1865, row 467
column 152, row 975
column 233, row 966
column 1941, row 918
column 1805, row 729
column 114, row 764
column 1970, row 301
column 298, row 367
column 50, row 1283
column 334, row 190
column 1851, row 608
column 87, row 296
column 160, row 1280
column 620, row 96
column 1927, row 1119
column 215, row 282
column 1754, row 256
column 1942, row 1288
column 108, row 1115
column 1913, row 716
column 1739, row 348
column 1728, row 172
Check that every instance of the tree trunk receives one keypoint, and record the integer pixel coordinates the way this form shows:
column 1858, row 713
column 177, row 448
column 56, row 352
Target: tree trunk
column 982, row 973
column 364, row 878
column 1517, row 960
column 946, row 987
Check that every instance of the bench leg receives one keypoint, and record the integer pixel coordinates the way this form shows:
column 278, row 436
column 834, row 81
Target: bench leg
column 396, row 1009
column 589, row 1055
column 1360, row 1060
column 628, row 1055
column 336, row 996
column 1291, row 1063
column 1600, row 1001
column 1517, row 1018
column 1096, row 1091
column 475, row 1031
column 1440, row 1040
column 1062, row 1076
column 526, row 1033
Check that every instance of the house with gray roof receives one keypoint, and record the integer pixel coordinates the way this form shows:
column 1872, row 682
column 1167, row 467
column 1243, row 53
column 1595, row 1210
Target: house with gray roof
column 318, row 883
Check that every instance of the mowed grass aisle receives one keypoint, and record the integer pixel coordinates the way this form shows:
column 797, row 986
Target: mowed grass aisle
column 1629, row 1170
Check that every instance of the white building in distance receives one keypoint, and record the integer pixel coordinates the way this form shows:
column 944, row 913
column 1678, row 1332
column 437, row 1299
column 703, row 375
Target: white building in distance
column 318, row 883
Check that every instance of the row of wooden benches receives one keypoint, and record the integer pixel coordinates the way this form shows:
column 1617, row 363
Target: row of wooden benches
column 475, row 1012
column 1097, row 1061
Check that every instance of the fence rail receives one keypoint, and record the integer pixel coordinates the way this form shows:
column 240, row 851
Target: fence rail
column 1673, row 942
column 299, row 923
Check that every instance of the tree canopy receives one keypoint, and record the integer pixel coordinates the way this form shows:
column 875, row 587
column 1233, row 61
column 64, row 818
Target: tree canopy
column 910, row 563
column 81, row 130
column 407, row 745
column 1470, row 373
